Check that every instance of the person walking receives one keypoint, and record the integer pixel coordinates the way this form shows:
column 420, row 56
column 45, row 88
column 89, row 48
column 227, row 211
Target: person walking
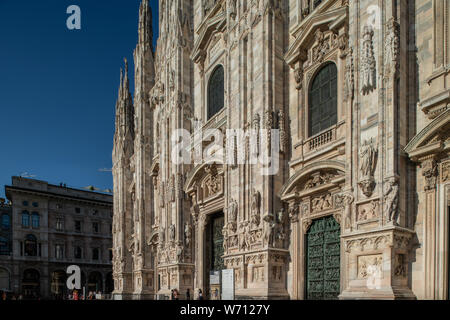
column 200, row 294
column 188, row 294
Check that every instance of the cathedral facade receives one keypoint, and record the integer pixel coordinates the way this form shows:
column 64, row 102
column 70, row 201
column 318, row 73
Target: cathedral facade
column 349, row 103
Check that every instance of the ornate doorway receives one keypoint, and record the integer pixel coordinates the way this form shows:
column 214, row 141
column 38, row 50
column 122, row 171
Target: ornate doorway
column 323, row 259
column 214, row 259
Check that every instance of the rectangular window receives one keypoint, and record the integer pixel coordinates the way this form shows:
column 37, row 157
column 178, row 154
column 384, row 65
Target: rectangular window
column 78, row 226
column 77, row 210
column 25, row 220
column 21, row 248
column 59, row 224
column 110, row 255
column 40, row 250
column 59, row 248
column 95, row 227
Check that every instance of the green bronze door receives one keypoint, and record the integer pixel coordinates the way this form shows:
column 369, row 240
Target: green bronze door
column 217, row 244
column 323, row 259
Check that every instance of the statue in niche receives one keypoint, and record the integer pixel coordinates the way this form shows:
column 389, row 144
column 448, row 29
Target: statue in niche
column 279, row 229
column 187, row 233
column 368, row 153
column 368, row 62
column 172, row 232
column 256, row 205
column 232, row 215
column 269, row 231
column 391, row 200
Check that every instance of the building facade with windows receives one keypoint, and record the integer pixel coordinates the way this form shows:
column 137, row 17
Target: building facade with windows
column 5, row 245
column 53, row 227
column 359, row 207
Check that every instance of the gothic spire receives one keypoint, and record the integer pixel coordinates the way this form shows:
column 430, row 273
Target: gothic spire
column 145, row 23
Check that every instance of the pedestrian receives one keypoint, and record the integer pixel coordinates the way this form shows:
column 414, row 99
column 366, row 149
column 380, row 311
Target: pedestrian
column 200, row 294
column 188, row 294
column 176, row 294
column 171, row 295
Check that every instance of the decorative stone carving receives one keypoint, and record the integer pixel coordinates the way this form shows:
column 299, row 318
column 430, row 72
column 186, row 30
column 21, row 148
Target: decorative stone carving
column 213, row 183
column 430, row 172
column 256, row 124
column 317, row 179
column 345, row 201
column 368, row 62
column 172, row 232
column 268, row 125
column 322, row 203
column 282, row 128
column 306, row 223
column 349, row 82
column 368, row 154
column 256, row 205
column 293, row 212
column 368, row 211
column 392, row 47
column 445, row 172
column 232, row 215
column 279, row 229
column 187, row 233
column 391, row 200
column 322, row 47
column 269, row 232
column 298, row 75
column 244, row 243
column 400, row 266
column 370, row 266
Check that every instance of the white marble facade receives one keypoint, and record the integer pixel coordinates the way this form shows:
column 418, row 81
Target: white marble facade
column 359, row 93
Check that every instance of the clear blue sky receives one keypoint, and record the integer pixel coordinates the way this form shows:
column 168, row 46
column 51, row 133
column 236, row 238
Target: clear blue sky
column 58, row 87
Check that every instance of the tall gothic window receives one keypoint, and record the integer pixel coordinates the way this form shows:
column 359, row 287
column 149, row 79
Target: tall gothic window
column 323, row 100
column 216, row 91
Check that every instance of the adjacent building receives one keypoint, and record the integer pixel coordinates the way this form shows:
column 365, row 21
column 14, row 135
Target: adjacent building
column 5, row 245
column 53, row 227
column 352, row 102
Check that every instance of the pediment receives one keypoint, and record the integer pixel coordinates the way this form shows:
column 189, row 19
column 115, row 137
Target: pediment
column 327, row 20
column 212, row 24
column 433, row 139
column 313, row 178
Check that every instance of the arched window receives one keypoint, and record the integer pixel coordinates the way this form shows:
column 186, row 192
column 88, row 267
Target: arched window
column 30, row 245
column 25, row 219
column 6, row 222
column 35, row 220
column 216, row 91
column 323, row 100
